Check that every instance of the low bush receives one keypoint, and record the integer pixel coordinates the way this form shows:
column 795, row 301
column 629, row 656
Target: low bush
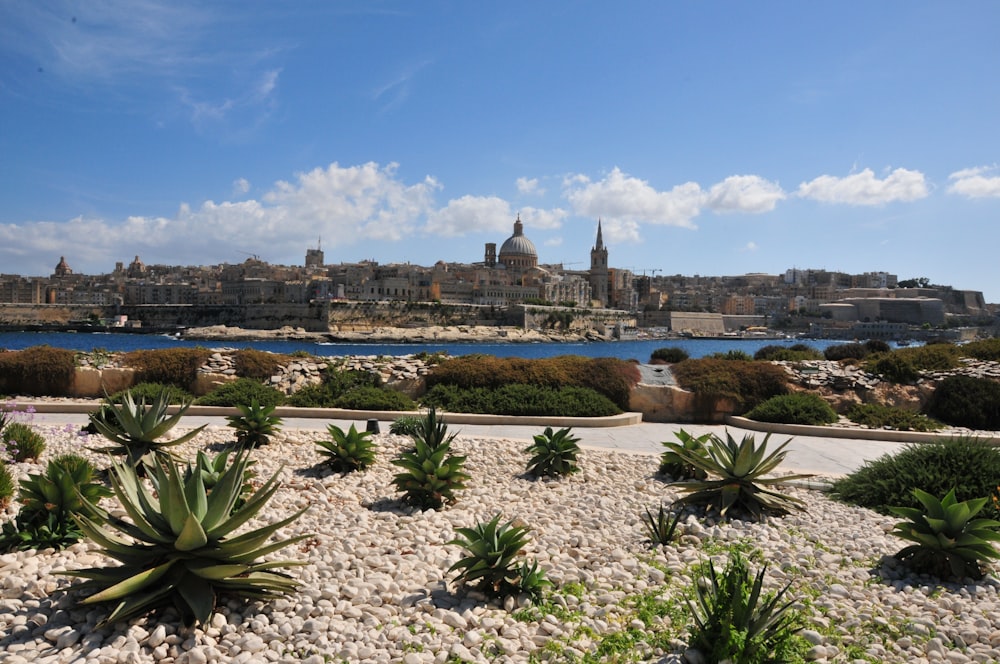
column 21, row 442
column 795, row 408
column 173, row 366
column 151, row 391
column 746, row 383
column 37, row 371
column 335, row 384
column 983, row 349
column 879, row 416
column 734, row 355
column 793, row 353
column 968, row 465
column 611, row 377
column 669, row 355
column 242, row 392
column 855, row 351
column 521, row 399
column 893, row 368
column 374, row 398
column 965, row 401
column 257, row 364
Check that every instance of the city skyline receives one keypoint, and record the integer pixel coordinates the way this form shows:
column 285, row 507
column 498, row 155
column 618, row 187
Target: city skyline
column 710, row 138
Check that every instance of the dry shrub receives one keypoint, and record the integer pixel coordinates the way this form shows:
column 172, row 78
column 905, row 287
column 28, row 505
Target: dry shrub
column 170, row 366
column 746, row 383
column 37, row 371
column 611, row 377
column 258, row 364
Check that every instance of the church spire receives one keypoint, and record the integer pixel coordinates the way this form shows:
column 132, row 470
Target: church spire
column 600, row 239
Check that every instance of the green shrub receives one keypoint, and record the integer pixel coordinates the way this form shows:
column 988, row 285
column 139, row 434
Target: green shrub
column 522, row 400
column 241, row 392
column 151, row 391
column 893, row 368
column 793, row 353
column 879, row 416
column 335, row 384
column 669, row 355
column 794, row 408
column 734, row 355
column 407, row 425
column 173, row 366
column 947, row 541
column 970, row 466
column 965, row 401
column 610, row 377
column 931, row 357
column 747, row 383
column 736, row 621
column 257, row 364
column 983, row 349
column 37, row 371
column 6, row 485
column 22, row 442
column 855, row 351
column 374, row 398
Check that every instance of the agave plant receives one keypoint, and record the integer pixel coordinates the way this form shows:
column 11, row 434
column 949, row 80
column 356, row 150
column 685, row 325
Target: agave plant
column 177, row 546
column 136, row 430
column 673, row 465
column 491, row 564
column 661, row 527
column 738, row 482
column 347, row 451
column 212, row 469
column 255, row 425
column 430, row 476
column 948, row 541
column 735, row 621
column 433, row 431
column 553, row 453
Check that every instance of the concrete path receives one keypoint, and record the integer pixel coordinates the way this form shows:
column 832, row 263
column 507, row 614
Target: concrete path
column 810, row 454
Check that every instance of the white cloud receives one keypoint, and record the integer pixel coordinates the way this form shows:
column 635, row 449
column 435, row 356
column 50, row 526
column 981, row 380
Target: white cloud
column 540, row 219
column 744, row 193
column 617, row 231
column 240, row 186
column 529, row 186
column 975, row 182
column 865, row 189
column 749, row 247
column 553, row 242
column 471, row 214
column 624, row 198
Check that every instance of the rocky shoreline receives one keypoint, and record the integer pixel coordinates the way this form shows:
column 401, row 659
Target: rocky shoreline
column 375, row 586
column 383, row 335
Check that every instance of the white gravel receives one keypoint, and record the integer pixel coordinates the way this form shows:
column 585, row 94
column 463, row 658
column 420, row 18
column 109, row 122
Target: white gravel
column 375, row 588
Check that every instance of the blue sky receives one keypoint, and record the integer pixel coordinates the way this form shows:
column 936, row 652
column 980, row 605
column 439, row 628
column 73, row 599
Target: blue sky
column 712, row 138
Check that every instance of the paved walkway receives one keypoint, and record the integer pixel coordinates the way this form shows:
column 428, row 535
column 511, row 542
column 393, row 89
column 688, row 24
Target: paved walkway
column 812, row 454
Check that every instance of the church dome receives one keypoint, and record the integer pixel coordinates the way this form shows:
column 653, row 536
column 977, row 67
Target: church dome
column 517, row 250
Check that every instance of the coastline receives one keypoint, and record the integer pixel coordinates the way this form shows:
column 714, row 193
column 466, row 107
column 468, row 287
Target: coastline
column 381, row 335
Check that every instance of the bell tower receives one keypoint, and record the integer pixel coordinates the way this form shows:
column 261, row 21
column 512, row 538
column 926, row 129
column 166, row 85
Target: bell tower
column 599, row 269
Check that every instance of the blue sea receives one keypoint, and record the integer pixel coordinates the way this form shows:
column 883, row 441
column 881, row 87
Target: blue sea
column 626, row 350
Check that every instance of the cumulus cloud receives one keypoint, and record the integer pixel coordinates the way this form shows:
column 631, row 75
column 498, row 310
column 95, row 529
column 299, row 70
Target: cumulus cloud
column 624, row 198
column 618, row 231
column 240, row 186
column 542, row 219
column 749, row 247
column 744, row 193
column 864, row 188
column 976, row 182
column 343, row 204
column 529, row 186
column 470, row 214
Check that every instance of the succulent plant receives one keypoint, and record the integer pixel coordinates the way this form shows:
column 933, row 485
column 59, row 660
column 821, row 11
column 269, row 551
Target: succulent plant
column 430, row 476
column 177, row 547
column 6, row 485
column 554, row 454
column 22, row 442
column 948, row 541
column 212, row 469
column 661, row 527
column 433, row 431
column 735, row 621
column 738, row 482
column 347, row 451
column 255, row 425
column 66, row 488
column 673, row 465
column 136, row 430
column 490, row 566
